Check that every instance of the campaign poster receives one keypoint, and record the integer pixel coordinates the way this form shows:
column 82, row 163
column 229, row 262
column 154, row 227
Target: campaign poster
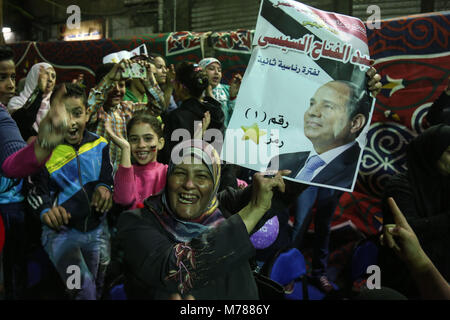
column 303, row 104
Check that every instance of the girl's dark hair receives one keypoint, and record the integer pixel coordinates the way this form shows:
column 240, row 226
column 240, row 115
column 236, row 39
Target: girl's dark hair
column 193, row 77
column 102, row 71
column 146, row 117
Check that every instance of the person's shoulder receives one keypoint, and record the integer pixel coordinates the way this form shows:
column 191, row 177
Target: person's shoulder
column 184, row 109
column 189, row 111
column 143, row 217
column 211, row 102
column 178, row 118
column 291, row 156
column 130, row 219
column 91, row 134
column 132, row 214
column 4, row 114
column 288, row 161
column 92, row 138
column 182, row 112
column 150, row 168
column 162, row 166
column 351, row 155
column 92, row 146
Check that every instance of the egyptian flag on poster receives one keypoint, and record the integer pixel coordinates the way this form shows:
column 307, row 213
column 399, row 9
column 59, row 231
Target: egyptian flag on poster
column 296, row 50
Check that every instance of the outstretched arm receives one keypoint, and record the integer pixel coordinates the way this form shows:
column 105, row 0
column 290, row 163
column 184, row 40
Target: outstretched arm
column 261, row 200
column 25, row 161
column 124, row 183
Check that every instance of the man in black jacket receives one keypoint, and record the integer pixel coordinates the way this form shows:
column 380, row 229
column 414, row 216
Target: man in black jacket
column 337, row 114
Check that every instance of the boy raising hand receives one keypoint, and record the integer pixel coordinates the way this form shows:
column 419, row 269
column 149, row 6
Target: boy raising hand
column 72, row 194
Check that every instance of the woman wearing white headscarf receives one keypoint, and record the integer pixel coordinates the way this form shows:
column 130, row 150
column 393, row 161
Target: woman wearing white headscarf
column 33, row 102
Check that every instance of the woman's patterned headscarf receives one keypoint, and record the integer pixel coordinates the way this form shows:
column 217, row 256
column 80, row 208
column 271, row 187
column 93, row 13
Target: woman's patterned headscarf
column 185, row 230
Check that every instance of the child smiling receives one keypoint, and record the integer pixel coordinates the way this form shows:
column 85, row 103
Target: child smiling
column 135, row 182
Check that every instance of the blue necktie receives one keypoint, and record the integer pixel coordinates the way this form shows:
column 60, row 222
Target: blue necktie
column 311, row 165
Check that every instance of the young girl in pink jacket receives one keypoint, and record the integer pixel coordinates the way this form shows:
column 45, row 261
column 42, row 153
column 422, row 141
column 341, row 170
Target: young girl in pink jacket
column 133, row 183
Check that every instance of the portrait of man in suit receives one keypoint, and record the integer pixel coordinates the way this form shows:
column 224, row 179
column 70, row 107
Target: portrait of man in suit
column 337, row 113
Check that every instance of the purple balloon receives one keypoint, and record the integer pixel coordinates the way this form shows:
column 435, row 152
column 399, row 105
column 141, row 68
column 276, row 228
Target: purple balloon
column 267, row 235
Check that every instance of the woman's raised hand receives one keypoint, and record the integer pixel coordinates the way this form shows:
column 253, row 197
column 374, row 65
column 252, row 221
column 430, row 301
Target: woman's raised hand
column 261, row 200
column 263, row 187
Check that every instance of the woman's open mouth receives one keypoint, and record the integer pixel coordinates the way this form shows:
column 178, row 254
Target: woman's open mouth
column 187, row 198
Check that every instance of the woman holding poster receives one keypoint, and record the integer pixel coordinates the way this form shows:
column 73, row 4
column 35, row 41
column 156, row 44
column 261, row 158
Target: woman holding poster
column 193, row 240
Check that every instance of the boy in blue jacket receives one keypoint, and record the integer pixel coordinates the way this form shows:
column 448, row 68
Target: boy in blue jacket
column 72, row 194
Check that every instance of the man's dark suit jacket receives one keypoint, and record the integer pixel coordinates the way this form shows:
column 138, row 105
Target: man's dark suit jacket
column 339, row 172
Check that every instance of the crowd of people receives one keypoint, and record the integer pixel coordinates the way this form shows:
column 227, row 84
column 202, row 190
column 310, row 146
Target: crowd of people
column 98, row 176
